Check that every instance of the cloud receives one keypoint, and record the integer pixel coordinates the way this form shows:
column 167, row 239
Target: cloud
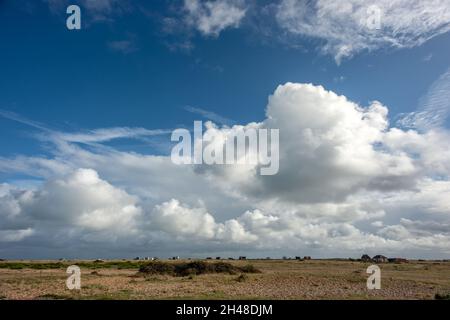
column 99, row 5
column 107, row 134
column 343, row 25
column 14, row 235
column 92, row 5
column 327, row 149
column 123, row 46
column 428, row 57
column 210, row 116
column 212, row 17
column 18, row 118
column 95, row 10
column 340, row 28
column 81, row 199
column 181, row 220
column 348, row 182
column 434, row 108
column 86, row 136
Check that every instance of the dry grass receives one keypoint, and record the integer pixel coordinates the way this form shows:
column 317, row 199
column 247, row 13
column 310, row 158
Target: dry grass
column 316, row 279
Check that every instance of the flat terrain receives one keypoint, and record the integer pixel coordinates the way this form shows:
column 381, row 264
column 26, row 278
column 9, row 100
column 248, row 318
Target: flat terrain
column 279, row 279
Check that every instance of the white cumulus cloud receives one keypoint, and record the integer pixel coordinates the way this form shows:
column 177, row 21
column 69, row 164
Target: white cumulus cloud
column 348, row 182
column 212, row 17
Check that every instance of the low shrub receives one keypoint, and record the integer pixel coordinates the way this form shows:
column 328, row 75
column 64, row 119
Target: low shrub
column 242, row 278
column 442, row 296
column 193, row 268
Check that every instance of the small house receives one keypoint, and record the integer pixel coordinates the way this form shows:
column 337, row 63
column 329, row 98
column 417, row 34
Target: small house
column 380, row 259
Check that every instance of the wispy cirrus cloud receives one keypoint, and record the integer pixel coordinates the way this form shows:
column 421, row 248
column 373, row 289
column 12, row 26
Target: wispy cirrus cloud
column 434, row 107
column 343, row 26
column 23, row 120
column 108, row 134
column 210, row 115
column 86, row 136
column 125, row 46
column 96, row 10
column 95, row 6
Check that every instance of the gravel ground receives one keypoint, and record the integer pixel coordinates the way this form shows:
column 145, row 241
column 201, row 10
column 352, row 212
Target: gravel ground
column 316, row 279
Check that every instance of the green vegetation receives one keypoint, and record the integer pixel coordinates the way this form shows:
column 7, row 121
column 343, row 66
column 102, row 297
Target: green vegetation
column 63, row 265
column 442, row 296
column 31, row 265
column 51, row 296
column 184, row 269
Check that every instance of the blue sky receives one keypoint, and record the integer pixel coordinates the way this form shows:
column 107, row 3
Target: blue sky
column 145, row 64
column 73, row 80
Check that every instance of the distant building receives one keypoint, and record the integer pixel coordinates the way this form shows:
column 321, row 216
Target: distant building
column 380, row 259
column 397, row 260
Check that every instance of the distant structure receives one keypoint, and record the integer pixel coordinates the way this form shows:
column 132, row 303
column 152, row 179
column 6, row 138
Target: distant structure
column 366, row 258
column 242, row 258
column 146, row 258
column 380, row 259
column 397, row 260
